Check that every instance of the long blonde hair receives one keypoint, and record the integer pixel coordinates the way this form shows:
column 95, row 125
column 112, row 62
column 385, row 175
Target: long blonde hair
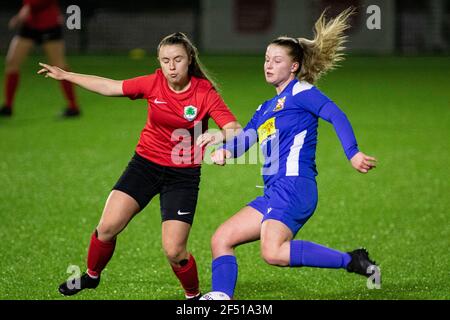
column 322, row 54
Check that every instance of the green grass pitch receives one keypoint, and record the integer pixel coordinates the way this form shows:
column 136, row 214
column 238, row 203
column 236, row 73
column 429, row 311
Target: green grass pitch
column 55, row 176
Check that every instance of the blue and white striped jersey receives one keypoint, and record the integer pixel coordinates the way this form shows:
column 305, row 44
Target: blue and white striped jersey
column 286, row 129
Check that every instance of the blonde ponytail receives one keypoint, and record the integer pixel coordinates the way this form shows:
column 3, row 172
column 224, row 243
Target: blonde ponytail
column 322, row 54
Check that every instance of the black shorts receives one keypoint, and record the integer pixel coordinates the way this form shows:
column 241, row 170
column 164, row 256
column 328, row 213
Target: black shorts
column 41, row 36
column 177, row 187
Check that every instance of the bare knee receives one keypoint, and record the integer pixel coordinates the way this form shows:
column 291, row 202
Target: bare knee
column 271, row 255
column 107, row 231
column 11, row 66
column 222, row 242
column 13, row 63
column 120, row 208
column 175, row 254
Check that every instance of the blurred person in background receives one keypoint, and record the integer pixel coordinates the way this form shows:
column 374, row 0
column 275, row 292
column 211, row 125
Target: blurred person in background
column 39, row 22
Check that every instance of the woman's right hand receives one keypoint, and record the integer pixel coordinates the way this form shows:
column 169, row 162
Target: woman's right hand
column 52, row 72
column 219, row 156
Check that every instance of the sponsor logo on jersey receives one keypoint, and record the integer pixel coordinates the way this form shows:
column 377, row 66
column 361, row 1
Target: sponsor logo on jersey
column 266, row 130
column 190, row 113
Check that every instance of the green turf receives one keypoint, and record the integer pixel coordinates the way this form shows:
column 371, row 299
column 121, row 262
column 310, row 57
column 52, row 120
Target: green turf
column 55, row 176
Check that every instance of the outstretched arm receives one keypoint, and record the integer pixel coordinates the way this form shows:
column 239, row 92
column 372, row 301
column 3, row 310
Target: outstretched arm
column 103, row 86
column 360, row 161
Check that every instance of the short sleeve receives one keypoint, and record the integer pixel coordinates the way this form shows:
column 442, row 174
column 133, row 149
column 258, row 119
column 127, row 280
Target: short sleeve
column 218, row 110
column 139, row 87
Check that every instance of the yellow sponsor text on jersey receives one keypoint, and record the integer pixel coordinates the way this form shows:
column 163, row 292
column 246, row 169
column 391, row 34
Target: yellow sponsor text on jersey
column 266, row 130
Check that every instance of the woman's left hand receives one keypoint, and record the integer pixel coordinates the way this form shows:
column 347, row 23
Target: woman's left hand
column 363, row 163
column 208, row 138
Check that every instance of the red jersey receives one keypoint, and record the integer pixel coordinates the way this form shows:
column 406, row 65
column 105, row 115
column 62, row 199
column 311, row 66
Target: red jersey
column 175, row 120
column 44, row 14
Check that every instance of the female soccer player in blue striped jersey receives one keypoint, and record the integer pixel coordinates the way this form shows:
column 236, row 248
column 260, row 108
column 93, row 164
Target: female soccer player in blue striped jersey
column 286, row 129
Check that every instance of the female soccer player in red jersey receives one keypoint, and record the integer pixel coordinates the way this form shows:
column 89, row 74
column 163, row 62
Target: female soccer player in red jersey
column 167, row 161
column 39, row 22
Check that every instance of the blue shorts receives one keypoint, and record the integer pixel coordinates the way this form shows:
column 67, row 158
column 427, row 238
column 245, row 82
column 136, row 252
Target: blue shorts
column 290, row 200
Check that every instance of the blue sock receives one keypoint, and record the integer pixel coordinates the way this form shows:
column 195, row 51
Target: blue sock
column 224, row 274
column 305, row 253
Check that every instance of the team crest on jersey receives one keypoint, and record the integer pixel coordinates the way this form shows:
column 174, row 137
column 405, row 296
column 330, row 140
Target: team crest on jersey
column 280, row 104
column 190, row 113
